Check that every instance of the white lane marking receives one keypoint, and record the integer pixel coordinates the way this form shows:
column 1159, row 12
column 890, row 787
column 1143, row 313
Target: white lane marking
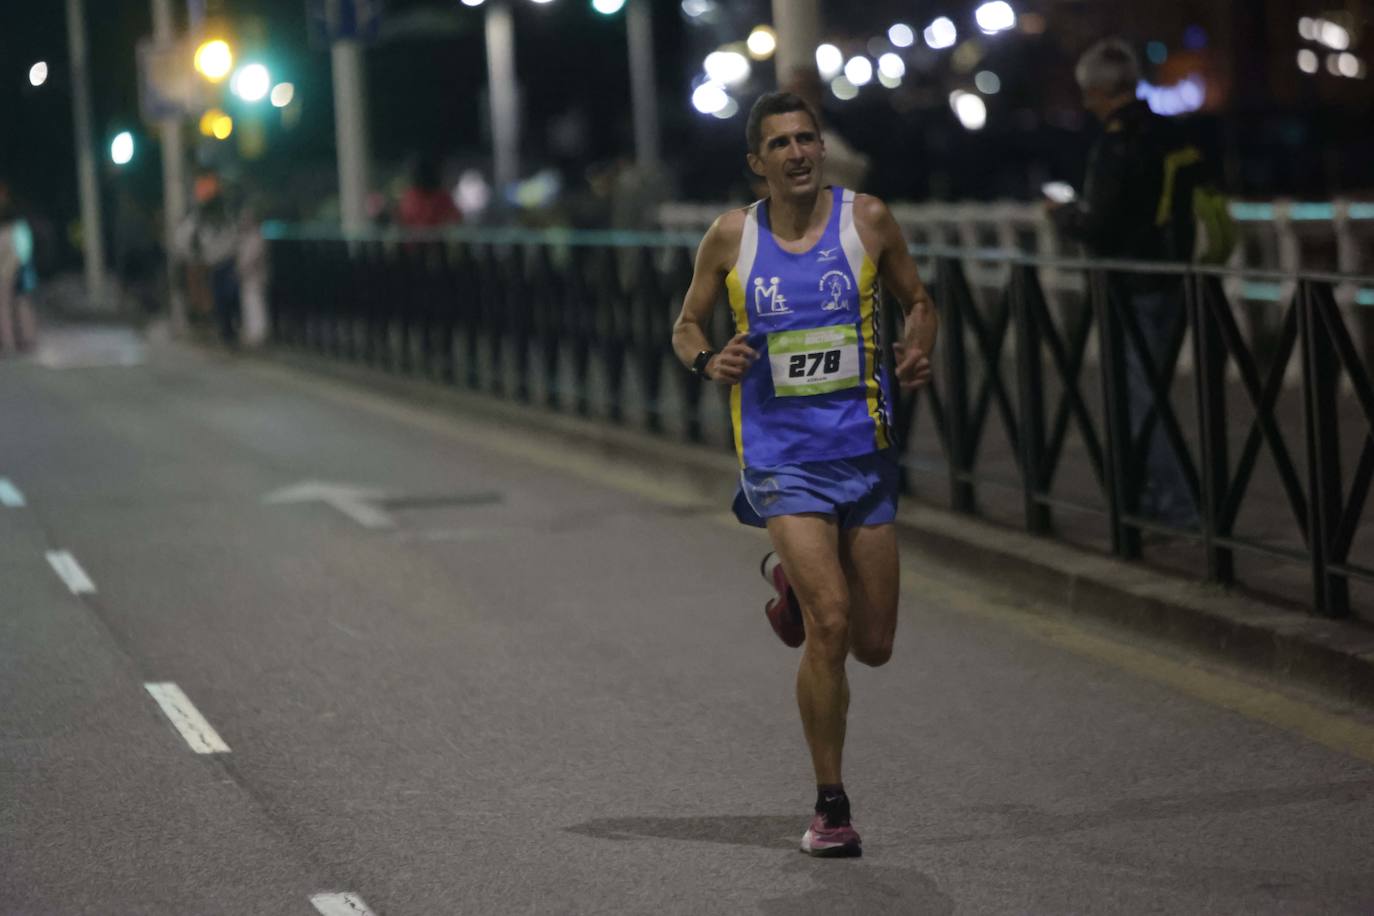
column 340, row 905
column 354, row 502
column 70, row 571
column 184, row 716
column 10, row 497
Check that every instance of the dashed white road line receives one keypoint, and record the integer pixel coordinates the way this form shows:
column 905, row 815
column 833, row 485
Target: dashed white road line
column 10, row 497
column 340, row 905
column 184, row 716
column 70, row 571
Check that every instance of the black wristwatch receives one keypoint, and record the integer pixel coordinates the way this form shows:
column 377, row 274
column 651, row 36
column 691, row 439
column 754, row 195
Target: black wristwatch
column 699, row 364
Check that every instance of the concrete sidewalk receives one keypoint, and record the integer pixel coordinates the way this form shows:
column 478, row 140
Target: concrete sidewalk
column 1335, row 657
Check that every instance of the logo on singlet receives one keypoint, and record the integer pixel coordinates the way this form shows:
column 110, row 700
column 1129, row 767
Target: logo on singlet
column 835, row 283
column 776, row 301
column 825, row 255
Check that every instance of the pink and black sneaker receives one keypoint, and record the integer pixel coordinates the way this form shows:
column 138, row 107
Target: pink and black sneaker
column 783, row 612
column 837, row 841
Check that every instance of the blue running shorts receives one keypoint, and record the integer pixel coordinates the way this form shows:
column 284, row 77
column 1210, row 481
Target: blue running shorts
column 857, row 491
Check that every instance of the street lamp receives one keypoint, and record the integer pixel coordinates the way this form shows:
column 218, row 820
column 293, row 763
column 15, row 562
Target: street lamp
column 214, row 59
column 122, row 148
column 38, row 73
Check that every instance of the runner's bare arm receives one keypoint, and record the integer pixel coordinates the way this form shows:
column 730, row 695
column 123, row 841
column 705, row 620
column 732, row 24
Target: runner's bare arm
column 880, row 234
column 715, row 257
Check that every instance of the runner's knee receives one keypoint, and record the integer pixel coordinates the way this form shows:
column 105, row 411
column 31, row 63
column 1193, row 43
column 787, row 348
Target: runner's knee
column 873, row 654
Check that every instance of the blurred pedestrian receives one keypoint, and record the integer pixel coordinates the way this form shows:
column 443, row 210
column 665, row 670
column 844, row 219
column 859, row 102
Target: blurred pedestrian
column 811, row 404
column 209, row 237
column 18, row 279
column 1136, row 206
column 426, row 204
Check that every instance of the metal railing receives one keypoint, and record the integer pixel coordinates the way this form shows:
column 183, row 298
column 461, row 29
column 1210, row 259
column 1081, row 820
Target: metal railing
column 1037, row 394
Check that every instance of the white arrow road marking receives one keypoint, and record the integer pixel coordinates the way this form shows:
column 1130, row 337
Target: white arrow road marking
column 354, row 502
column 10, row 497
column 340, row 905
column 70, row 571
column 184, row 716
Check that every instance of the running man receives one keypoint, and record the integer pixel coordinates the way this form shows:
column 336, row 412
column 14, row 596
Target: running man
column 810, row 403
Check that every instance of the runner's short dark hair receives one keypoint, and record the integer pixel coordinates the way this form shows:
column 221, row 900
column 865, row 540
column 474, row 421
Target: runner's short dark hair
column 774, row 103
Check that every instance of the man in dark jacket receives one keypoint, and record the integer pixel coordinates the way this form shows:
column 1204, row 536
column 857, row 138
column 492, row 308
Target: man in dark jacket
column 1135, row 206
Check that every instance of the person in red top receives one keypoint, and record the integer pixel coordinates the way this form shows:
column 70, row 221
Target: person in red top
column 425, row 204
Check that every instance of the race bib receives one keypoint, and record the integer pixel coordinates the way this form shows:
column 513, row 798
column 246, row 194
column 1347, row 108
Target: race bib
column 814, row 361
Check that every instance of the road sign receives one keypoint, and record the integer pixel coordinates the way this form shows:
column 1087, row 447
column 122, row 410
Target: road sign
column 337, row 20
column 166, row 80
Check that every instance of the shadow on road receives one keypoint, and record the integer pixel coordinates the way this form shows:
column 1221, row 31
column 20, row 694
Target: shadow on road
column 848, row 886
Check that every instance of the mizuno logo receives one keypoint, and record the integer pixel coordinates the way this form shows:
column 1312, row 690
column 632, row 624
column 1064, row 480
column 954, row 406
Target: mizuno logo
column 826, row 254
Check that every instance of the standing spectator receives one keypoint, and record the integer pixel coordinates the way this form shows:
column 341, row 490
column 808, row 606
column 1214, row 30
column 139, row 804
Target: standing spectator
column 425, row 204
column 209, row 236
column 1128, row 211
column 18, row 279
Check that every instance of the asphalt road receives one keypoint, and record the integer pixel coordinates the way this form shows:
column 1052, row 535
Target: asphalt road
column 462, row 672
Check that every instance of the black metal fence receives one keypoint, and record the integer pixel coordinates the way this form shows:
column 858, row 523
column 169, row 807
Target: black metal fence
column 1052, row 388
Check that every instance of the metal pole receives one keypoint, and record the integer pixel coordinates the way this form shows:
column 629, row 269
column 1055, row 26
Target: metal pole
column 93, row 242
column 501, row 95
column 643, row 93
column 173, row 178
column 798, row 24
column 350, row 131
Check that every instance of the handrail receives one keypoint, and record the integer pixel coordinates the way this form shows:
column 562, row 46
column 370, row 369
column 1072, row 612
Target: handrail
column 275, row 230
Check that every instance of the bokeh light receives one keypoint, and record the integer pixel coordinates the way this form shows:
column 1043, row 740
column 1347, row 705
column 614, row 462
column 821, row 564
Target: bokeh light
column 996, row 16
column 282, row 94
column 38, row 73
column 122, row 148
column 214, row 60
column 728, row 67
column 969, row 108
column 829, row 61
column 710, row 97
column 762, row 43
column 941, row 33
column 901, row 35
column 859, row 71
column 251, row 83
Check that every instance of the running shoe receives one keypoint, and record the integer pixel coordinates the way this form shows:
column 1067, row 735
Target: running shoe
column 783, row 612
column 837, row 842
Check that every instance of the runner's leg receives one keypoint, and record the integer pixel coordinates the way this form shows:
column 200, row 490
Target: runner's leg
column 869, row 556
column 808, row 546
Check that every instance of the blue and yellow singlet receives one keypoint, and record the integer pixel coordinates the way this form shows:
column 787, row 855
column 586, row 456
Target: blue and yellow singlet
column 818, row 390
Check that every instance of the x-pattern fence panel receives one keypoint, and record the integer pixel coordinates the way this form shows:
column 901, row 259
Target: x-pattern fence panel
column 582, row 323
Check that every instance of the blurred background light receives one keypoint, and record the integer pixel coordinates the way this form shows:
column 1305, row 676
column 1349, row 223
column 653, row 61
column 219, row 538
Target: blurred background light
column 1307, row 28
column 282, row 94
column 969, row 109
column 889, row 82
column 222, row 127
column 901, row 35
column 763, row 41
column 473, row 2
column 607, row 7
column 1157, row 51
column 728, row 67
column 844, row 90
column 891, row 66
column 1180, row 98
column 1333, row 64
column 1195, row 38
column 859, row 71
column 729, row 111
column 122, row 148
column 988, row 83
column 1349, row 65
column 829, row 61
column 709, row 97
column 472, row 193
column 1332, row 35
column 996, row 16
column 214, row 60
column 541, row 2
column 941, row 33
column 695, row 9
column 1307, row 61
column 251, row 82
column 38, row 73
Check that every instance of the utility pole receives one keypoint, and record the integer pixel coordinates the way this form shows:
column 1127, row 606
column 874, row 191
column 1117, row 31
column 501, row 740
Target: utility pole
column 173, row 177
column 92, row 240
column 643, row 92
column 502, row 98
column 350, row 131
column 798, row 24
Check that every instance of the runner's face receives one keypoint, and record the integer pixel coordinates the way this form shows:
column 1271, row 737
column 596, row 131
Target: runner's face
column 790, row 156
